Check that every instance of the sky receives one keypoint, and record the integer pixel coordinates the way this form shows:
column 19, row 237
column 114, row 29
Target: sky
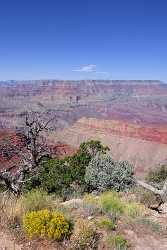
column 83, row 39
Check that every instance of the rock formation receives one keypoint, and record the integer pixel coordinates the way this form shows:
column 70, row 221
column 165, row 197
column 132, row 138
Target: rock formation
column 145, row 147
column 128, row 116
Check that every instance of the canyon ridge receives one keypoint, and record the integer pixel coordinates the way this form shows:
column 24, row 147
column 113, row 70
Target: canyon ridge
column 128, row 116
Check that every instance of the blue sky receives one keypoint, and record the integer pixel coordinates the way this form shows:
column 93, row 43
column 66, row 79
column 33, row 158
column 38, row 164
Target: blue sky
column 90, row 39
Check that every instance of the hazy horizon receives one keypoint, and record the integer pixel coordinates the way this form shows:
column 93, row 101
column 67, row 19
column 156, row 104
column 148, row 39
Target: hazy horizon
column 115, row 81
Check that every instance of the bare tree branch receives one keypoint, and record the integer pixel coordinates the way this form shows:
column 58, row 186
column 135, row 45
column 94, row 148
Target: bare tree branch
column 148, row 187
column 161, row 194
column 31, row 156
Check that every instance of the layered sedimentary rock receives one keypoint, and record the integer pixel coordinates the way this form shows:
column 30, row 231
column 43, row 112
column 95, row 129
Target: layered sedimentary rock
column 144, row 147
column 129, row 116
column 136, row 101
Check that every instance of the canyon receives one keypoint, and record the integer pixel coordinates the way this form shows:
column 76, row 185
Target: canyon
column 145, row 147
column 128, row 116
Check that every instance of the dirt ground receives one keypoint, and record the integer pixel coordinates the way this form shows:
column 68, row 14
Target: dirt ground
column 7, row 242
column 138, row 235
column 138, row 240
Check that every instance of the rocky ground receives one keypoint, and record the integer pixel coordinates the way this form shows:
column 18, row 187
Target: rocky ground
column 139, row 236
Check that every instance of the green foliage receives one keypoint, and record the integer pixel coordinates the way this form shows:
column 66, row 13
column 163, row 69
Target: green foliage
column 81, row 159
column 133, row 209
column 92, row 147
column 33, row 179
column 77, row 164
column 55, row 175
column 84, row 237
column 112, row 203
column 66, row 176
column 117, row 242
column 46, row 224
column 103, row 173
column 32, row 182
column 158, row 175
column 106, row 223
column 36, row 200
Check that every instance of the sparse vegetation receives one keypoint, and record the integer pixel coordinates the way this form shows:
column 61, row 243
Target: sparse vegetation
column 13, row 208
column 148, row 198
column 106, row 223
column 117, row 242
column 95, row 216
column 36, row 200
column 85, row 236
column 133, row 210
column 91, row 205
column 154, row 226
column 157, row 176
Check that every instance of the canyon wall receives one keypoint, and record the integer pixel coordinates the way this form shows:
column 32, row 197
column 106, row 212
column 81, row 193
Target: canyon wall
column 137, row 101
column 144, row 147
column 128, row 116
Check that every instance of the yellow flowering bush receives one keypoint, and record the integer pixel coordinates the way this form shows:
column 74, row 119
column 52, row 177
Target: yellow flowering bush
column 44, row 223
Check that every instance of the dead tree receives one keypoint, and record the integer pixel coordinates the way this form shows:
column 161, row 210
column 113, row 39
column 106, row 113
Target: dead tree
column 31, row 155
column 36, row 144
column 160, row 193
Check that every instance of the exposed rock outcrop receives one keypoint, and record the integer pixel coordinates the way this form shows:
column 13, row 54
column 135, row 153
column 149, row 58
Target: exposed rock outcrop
column 145, row 147
column 136, row 101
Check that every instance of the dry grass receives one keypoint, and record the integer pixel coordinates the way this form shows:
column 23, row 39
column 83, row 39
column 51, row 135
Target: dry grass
column 13, row 208
column 84, row 236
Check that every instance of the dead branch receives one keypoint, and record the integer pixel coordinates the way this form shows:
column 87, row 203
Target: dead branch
column 161, row 194
column 35, row 150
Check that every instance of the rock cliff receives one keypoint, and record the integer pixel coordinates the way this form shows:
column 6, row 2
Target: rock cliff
column 144, row 147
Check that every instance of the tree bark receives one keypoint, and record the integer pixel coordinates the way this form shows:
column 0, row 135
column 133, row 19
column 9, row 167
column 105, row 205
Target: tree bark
column 162, row 193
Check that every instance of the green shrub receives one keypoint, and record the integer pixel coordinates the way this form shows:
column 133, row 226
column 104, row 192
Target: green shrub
column 157, row 176
column 117, row 242
column 65, row 176
column 112, row 203
column 92, row 147
column 36, row 200
column 46, row 224
column 106, row 223
column 54, row 175
column 103, row 173
column 79, row 161
column 133, row 209
column 84, row 237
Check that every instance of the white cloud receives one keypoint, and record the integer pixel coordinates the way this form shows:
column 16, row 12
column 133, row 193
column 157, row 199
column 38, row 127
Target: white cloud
column 91, row 68
column 87, row 68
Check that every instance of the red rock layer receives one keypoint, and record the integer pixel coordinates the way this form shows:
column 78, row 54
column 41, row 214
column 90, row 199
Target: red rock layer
column 156, row 134
column 10, row 142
